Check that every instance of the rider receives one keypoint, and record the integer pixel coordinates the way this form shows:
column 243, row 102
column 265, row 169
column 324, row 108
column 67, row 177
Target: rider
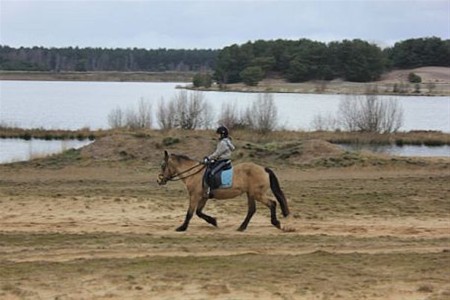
column 221, row 156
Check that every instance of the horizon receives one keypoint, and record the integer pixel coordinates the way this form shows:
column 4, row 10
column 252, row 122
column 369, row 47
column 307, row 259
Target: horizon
column 211, row 49
column 208, row 24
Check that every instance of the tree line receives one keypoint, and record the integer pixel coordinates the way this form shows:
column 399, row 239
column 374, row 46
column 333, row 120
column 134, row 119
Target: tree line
column 103, row 59
column 302, row 60
column 294, row 60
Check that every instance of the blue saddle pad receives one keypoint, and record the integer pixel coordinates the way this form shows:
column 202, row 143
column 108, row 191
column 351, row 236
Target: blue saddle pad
column 226, row 178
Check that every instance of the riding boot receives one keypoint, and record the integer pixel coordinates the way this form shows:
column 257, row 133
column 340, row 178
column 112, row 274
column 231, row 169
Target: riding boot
column 206, row 192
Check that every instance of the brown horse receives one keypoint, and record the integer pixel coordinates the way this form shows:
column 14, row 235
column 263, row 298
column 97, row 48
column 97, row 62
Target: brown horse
column 249, row 178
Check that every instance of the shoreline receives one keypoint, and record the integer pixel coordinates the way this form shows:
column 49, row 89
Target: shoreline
column 416, row 138
column 305, row 90
column 393, row 84
column 107, row 76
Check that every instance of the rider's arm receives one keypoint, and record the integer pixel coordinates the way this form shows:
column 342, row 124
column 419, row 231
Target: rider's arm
column 220, row 150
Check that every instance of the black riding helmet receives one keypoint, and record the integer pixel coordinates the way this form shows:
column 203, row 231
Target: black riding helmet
column 223, row 131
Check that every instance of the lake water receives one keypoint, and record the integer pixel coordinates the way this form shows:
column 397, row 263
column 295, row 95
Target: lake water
column 406, row 150
column 74, row 105
column 13, row 150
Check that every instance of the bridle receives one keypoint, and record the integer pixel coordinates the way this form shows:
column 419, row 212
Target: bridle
column 178, row 176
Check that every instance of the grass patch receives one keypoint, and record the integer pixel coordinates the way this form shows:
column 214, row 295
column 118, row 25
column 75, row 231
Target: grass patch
column 168, row 141
column 99, row 76
column 319, row 271
column 66, row 158
column 48, row 135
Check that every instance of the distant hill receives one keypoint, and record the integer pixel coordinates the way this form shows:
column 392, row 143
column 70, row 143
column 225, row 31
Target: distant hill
column 428, row 75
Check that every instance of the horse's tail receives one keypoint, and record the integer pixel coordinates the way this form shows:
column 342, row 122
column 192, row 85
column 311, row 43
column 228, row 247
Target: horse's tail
column 276, row 190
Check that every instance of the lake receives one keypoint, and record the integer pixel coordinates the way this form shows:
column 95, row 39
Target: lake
column 13, row 150
column 75, row 105
column 406, row 150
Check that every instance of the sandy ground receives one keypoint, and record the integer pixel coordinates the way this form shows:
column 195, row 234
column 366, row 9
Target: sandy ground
column 435, row 82
column 107, row 232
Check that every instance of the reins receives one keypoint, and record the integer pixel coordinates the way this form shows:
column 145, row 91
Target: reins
column 172, row 177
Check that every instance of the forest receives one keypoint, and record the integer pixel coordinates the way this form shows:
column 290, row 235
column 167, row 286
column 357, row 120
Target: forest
column 303, row 60
column 103, row 59
column 294, row 60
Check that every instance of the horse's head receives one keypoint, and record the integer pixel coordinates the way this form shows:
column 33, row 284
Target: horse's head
column 178, row 167
column 167, row 170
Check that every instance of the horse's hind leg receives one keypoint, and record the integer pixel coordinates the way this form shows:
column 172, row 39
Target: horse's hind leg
column 250, row 213
column 205, row 217
column 272, row 205
column 273, row 214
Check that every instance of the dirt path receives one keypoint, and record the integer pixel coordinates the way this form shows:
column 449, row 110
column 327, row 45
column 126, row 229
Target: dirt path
column 95, row 233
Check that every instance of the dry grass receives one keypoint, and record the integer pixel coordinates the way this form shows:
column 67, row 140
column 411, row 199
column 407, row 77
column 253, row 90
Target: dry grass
column 435, row 82
column 99, row 76
column 93, row 224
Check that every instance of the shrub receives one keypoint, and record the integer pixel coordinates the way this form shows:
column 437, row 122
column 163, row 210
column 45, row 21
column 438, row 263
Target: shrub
column 400, row 88
column 166, row 115
column 185, row 111
column 414, row 78
column 417, row 88
column 231, row 117
column 116, row 118
column 202, row 79
column 140, row 118
column 262, row 116
column 251, row 76
column 324, row 123
column 167, row 141
column 370, row 114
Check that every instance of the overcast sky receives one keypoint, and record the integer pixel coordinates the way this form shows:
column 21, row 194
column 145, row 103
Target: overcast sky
column 215, row 24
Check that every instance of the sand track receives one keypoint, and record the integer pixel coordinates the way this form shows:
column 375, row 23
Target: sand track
column 353, row 234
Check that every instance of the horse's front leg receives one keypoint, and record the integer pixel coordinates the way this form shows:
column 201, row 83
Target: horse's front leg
column 196, row 202
column 204, row 216
column 188, row 217
column 193, row 202
column 250, row 212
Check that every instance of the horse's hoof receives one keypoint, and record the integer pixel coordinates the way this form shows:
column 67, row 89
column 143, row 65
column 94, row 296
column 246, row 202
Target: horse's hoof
column 181, row 228
column 241, row 229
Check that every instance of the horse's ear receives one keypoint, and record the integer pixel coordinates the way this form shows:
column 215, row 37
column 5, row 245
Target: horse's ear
column 166, row 155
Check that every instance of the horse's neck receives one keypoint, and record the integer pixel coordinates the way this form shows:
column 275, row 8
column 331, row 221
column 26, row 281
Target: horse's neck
column 184, row 165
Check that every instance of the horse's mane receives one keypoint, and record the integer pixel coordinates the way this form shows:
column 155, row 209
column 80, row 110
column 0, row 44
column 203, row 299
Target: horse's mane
column 181, row 157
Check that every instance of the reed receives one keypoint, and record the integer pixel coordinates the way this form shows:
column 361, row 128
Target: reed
column 48, row 135
column 428, row 138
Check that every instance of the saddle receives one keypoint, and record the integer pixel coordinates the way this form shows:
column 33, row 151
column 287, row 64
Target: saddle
column 219, row 174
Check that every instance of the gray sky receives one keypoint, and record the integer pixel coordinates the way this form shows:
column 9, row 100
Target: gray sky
column 215, row 24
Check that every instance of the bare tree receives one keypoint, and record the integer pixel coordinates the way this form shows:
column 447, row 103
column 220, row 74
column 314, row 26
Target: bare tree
column 116, row 118
column 144, row 114
column 166, row 114
column 186, row 111
column 132, row 118
column 231, row 117
column 393, row 116
column 263, row 114
column 324, row 122
column 370, row 114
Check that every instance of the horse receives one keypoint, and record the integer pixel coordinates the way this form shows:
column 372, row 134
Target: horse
column 249, row 178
